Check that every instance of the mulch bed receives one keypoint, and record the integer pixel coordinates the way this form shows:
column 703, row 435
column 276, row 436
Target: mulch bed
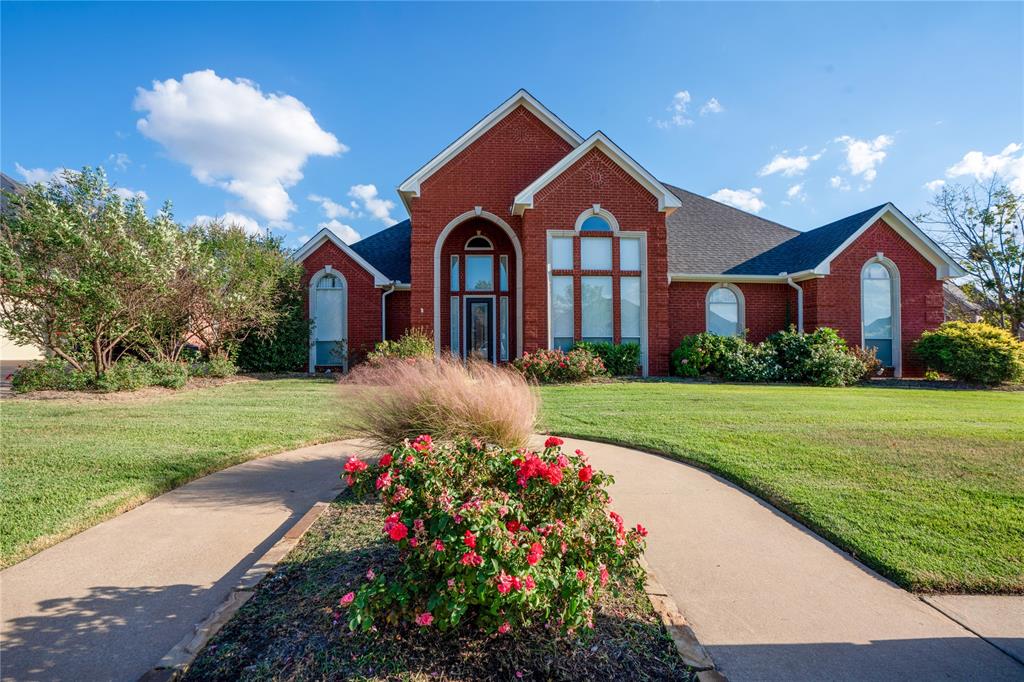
column 288, row 631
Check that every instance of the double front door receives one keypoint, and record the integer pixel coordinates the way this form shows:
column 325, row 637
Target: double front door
column 480, row 328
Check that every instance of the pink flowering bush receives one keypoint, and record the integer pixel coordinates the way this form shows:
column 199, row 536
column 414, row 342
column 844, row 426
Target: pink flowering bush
column 554, row 366
column 497, row 538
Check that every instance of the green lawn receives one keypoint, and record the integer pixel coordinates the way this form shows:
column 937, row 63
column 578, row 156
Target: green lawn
column 925, row 486
column 68, row 464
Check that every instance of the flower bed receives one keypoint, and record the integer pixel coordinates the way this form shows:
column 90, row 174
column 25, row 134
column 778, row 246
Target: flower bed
column 553, row 366
column 499, row 539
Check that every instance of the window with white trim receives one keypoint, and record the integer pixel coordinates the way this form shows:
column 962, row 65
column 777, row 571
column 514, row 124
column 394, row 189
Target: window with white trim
column 562, row 309
column 724, row 310
column 877, row 310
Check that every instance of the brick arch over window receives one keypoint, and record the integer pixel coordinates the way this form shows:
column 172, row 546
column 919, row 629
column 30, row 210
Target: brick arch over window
column 454, row 236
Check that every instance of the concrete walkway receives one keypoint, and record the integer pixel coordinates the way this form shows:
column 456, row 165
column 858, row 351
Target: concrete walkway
column 108, row 603
column 772, row 601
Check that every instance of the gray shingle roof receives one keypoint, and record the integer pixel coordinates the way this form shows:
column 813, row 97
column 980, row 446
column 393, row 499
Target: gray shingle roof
column 806, row 250
column 389, row 250
column 708, row 237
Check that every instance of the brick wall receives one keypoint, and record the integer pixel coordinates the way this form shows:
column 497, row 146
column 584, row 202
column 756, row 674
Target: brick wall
column 834, row 301
column 768, row 308
column 364, row 317
column 397, row 312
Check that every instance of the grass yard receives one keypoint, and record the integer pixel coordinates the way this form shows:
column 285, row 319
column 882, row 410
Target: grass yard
column 292, row 628
column 925, row 486
column 68, row 464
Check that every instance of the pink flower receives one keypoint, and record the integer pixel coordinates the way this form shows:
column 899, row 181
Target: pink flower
column 504, row 582
column 641, row 531
column 347, row 599
column 422, row 443
column 370, row 575
column 398, row 531
column 553, row 442
column 424, row 619
column 384, row 480
column 504, row 627
column 438, row 546
column 529, row 583
column 354, row 465
column 535, row 554
column 385, row 461
column 581, row 575
column 471, row 558
column 469, row 539
column 604, row 576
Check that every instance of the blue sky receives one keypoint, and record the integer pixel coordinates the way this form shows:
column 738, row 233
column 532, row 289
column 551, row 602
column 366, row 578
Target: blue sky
column 801, row 112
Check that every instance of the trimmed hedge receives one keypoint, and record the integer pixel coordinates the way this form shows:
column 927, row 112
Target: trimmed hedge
column 127, row 374
column 620, row 359
column 972, row 351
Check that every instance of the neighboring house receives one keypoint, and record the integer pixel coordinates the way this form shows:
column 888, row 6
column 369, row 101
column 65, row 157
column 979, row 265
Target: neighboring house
column 12, row 355
column 524, row 235
column 958, row 306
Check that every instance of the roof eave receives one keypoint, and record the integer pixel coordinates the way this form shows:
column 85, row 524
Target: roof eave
column 325, row 235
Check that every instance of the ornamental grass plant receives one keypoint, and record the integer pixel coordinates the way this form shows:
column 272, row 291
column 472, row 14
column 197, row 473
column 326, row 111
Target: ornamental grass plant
column 446, row 398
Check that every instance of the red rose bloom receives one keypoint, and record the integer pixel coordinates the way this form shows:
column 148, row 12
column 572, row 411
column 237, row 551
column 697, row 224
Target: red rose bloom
column 385, row 461
column 398, row 531
column 641, row 531
column 354, row 465
column 586, row 473
column 513, row 526
column 553, row 442
column 469, row 540
column 535, row 554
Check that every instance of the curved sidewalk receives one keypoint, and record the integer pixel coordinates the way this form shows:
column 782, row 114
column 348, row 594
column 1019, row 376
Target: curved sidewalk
column 108, row 603
column 772, row 601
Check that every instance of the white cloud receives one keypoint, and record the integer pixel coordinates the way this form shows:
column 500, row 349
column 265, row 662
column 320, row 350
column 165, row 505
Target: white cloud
column 788, row 165
column 34, row 175
column 332, row 209
column 1008, row 164
column 120, row 161
column 237, row 219
column 836, row 182
column 934, row 185
column 302, row 238
column 863, row 155
column 712, row 106
column 129, row 194
column 346, row 233
column 796, row 191
column 235, row 137
column 372, row 204
column 744, row 199
column 680, row 117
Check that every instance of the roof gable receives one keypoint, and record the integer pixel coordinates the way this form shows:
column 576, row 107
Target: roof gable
column 667, row 201
column 411, row 186
column 324, row 236
column 389, row 251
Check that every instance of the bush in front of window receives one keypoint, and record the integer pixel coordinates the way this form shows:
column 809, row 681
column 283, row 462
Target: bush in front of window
column 620, row 359
column 972, row 351
column 704, row 353
column 821, row 358
column 413, row 344
column 555, row 367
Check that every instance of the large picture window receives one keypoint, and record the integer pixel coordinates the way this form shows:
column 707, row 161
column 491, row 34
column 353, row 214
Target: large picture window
column 596, row 309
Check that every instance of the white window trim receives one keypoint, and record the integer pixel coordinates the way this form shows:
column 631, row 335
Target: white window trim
column 517, row 248
column 596, row 210
column 741, row 307
column 313, row 281
column 489, row 247
column 644, row 331
column 897, row 312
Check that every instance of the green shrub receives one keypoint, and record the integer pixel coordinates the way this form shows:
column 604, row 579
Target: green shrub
column 754, row 363
column 553, row 366
column 285, row 348
column 869, row 358
column 820, row 358
column 620, row 359
column 414, row 343
column 217, row 367
column 52, row 374
column 127, row 374
column 972, row 351
column 168, row 374
column 491, row 538
column 703, row 353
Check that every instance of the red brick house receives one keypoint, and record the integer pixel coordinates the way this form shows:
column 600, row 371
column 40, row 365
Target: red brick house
column 524, row 235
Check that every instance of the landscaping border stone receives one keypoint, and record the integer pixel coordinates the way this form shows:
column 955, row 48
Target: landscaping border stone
column 176, row 661
column 691, row 651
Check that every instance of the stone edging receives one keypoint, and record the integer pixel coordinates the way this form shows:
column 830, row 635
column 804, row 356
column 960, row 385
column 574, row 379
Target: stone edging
column 691, row 651
column 177, row 660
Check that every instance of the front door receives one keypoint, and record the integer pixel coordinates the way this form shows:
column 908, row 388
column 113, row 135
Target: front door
column 480, row 328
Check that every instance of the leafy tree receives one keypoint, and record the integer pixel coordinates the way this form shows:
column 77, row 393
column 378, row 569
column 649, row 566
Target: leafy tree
column 286, row 347
column 238, row 285
column 79, row 267
column 982, row 226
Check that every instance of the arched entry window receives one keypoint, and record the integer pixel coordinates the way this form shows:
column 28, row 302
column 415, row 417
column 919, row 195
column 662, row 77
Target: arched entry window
column 879, row 306
column 328, row 307
column 724, row 310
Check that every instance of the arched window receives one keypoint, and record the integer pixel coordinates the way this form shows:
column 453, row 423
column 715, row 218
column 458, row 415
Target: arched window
column 879, row 308
column 724, row 310
column 479, row 243
column 328, row 309
column 595, row 223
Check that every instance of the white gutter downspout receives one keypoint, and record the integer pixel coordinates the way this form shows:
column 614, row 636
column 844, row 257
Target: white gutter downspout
column 384, row 310
column 799, row 302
